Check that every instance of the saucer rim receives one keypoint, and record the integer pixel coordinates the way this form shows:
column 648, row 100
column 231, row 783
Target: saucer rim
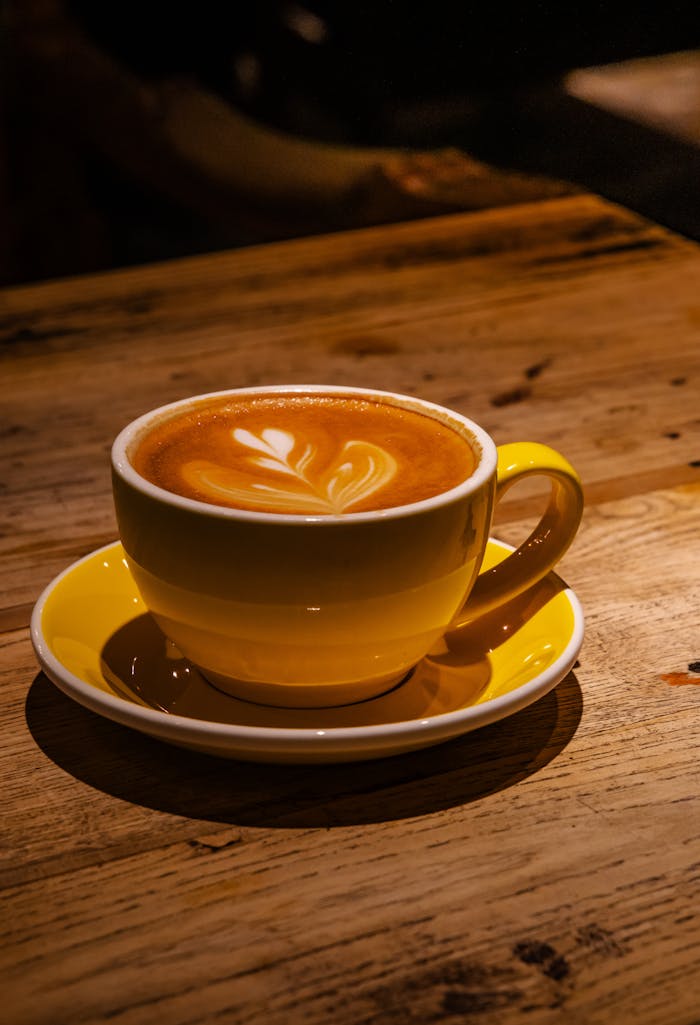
column 193, row 733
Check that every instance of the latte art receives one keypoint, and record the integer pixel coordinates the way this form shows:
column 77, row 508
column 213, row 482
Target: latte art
column 360, row 469
column 303, row 453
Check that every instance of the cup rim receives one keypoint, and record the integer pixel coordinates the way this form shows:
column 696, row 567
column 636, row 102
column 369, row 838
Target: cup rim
column 482, row 442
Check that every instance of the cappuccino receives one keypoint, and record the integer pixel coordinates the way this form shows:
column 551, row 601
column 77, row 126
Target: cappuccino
column 303, row 453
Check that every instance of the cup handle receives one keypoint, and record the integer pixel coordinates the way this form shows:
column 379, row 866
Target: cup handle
column 545, row 546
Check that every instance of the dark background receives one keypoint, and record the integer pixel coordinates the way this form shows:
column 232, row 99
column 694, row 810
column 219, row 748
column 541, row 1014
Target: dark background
column 485, row 79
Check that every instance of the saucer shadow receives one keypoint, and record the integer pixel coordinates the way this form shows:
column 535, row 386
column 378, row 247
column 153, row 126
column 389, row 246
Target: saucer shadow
column 133, row 767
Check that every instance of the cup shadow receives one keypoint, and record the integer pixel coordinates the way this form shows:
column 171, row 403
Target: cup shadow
column 133, row 767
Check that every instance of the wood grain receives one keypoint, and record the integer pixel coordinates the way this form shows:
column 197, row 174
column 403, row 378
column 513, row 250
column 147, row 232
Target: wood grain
column 544, row 869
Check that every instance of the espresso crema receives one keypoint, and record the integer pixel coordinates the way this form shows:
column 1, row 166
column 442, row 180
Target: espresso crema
column 303, row 453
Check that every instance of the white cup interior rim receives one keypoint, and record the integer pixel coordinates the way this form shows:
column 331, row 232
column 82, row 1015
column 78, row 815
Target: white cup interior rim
column 482, row 444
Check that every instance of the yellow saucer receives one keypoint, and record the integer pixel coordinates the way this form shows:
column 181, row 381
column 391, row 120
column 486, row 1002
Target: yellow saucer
column 96, row 642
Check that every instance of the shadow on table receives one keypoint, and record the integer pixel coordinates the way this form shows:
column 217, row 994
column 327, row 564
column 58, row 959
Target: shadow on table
column 146, row 772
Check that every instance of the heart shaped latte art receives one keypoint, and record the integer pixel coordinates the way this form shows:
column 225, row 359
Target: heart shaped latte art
column 279, row 474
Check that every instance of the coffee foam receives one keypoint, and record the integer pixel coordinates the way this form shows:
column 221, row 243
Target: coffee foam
column 303, row 453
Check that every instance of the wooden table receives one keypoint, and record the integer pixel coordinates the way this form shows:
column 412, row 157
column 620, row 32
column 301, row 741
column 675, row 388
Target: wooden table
column 544, row 869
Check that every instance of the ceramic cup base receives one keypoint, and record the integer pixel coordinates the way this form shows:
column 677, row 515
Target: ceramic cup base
column 275, row 695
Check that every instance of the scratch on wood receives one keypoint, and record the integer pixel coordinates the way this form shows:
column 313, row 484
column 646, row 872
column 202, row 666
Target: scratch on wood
column 533, row 951
column 557, row 968
column 543, row 956
column 536, row 369
column 508, row 398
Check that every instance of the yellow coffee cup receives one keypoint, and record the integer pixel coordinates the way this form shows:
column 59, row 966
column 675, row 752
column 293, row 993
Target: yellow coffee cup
column 304, row 610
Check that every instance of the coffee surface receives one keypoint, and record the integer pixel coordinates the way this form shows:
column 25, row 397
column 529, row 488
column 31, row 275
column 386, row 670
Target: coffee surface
column 303, row 453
